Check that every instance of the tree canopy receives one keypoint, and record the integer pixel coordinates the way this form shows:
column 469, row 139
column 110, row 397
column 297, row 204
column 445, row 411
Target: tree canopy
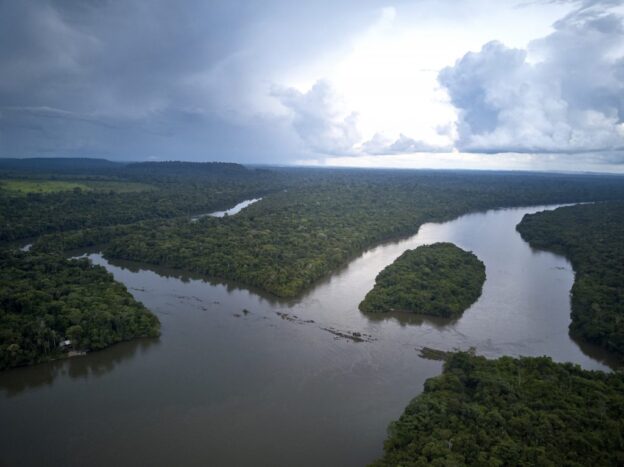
column 315, row 222
column 526, row 411
column 439, row 279
column 46, row 299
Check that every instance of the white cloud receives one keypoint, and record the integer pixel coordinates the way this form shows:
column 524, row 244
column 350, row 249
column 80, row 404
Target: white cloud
column 319, row 120
column 380, row 145
column 564, row 94
column 389, row 77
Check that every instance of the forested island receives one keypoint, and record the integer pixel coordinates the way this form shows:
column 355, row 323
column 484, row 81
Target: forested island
column 46, row 300
column 526, row 411
column 437, row 280
column 591, row 236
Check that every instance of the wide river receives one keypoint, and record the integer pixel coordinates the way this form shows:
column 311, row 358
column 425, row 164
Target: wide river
column 238, row 379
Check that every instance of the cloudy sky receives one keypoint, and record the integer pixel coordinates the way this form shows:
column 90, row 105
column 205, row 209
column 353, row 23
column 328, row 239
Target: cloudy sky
column 516, row 84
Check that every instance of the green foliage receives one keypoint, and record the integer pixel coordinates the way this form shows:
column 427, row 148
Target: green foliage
column 123, row 196
column 45, row 299
column 40, row 186
column 291, row 239
column 25, row 186
column 527, row 411
column 592, row 237
column 439, row 280
column 309, row 223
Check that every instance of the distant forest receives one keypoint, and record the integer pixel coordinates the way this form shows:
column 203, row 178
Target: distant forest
column 101, row 195
column 592, row 237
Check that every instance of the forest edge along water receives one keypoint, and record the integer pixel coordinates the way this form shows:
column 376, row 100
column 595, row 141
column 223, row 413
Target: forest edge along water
column 326, row 378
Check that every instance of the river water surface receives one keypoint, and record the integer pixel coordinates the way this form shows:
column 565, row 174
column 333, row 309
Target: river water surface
column 228, row 212
column 238, row 379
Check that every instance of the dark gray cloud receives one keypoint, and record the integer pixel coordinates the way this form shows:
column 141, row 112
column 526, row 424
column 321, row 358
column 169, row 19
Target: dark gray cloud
column 568, row 99
column 173, row 134
column 196, row 80
column 155, row 78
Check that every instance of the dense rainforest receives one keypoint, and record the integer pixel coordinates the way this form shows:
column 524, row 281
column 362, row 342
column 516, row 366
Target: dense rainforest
column 289, row 240
column 591, row 236
column 309, row 223
column 46, row 299
column 526, row 411
column 121, row 194
column 438, row 280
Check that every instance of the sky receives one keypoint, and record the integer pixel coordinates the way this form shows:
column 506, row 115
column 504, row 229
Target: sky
column 475, row 84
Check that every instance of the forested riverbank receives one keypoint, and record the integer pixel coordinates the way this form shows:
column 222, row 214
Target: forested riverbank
column 297, row 235
column 288, row 241
column 50, row 305
column 308, row 224
column 526, row 411
column 592, row 237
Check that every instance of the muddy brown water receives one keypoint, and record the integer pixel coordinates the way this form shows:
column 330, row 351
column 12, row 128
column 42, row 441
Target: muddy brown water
column 240, row 379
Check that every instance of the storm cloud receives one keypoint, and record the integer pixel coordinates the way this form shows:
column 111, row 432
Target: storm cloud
column 251, row 81
column 155, row 78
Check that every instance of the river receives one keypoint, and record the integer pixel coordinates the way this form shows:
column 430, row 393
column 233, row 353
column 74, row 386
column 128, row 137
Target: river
column 228, row 212
column 240, row 379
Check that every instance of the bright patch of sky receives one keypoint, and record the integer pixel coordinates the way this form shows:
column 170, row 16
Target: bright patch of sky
column 389, row 74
